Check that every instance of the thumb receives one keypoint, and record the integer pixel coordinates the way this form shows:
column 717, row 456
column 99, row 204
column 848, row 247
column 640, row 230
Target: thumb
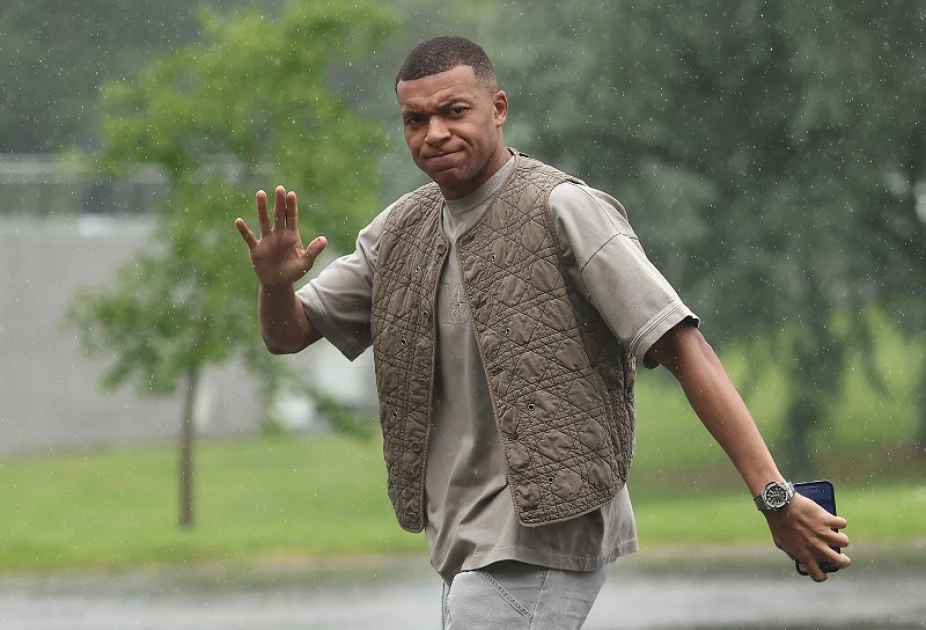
column 315, row 248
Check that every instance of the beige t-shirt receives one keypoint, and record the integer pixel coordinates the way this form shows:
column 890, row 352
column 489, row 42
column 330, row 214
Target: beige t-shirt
column 470, row 519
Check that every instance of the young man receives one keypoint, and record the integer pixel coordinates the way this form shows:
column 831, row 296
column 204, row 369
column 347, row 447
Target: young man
column 507, row 304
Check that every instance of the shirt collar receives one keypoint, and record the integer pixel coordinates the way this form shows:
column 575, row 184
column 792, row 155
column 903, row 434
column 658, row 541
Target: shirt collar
column 484, row 192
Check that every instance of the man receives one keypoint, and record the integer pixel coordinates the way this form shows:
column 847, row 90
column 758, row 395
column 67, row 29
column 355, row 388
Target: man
column 507, row 304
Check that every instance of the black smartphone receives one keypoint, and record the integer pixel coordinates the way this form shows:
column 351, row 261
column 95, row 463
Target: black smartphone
column 823, row 494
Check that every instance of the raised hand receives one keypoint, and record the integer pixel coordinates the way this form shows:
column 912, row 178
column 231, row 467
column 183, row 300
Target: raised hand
column 804, row 531
column 278, row 256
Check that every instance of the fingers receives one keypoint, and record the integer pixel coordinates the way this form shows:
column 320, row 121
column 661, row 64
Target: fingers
column 279, row 208
column 292, row 212
column 285, row 212
column 806, row 532
column 315, row 248
column 246, row 233
column 841, row 560
column 263, row 219
column 822, row 550
column 836, row 539
column 810, row 559
column 812, row 565
column 837, row 522
column 816, row 573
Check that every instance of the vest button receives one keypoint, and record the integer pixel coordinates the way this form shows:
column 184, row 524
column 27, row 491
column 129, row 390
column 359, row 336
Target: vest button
column 423, row 382
column 416, row 446
column 441, row 248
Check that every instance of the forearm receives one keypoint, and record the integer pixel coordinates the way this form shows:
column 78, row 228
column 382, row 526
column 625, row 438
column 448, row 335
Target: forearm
column 715, row 400
column 719, row 406
column 284, row 325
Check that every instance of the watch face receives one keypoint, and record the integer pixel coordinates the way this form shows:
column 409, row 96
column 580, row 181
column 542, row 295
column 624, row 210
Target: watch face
column 776, row 496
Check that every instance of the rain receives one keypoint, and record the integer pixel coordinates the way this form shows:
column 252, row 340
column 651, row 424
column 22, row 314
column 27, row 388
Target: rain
column 173, row 455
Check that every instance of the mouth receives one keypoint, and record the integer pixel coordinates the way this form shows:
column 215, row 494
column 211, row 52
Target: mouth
column 437, row 157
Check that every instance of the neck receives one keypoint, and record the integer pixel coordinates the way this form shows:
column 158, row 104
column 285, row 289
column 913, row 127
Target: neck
column 498, row 160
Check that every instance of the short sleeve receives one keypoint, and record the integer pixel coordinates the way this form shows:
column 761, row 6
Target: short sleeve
column 338, row 301
column 605, row 260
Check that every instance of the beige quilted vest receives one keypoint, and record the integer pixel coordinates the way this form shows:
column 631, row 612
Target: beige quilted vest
column 561, row 384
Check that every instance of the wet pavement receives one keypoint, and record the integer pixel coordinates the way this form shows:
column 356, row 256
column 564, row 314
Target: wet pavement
column 690, row 596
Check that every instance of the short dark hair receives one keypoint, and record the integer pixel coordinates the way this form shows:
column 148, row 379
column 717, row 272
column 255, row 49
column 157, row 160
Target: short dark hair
column 440, row 54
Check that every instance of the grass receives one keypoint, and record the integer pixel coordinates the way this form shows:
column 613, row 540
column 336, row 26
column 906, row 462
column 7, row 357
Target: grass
column 890, row 513
column 866, row 423
column 255, row 498
column 281, row 497
column 263, row 499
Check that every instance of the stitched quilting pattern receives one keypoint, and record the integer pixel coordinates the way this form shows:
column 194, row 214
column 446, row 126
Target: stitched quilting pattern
column 412, row 251
column 561, row 384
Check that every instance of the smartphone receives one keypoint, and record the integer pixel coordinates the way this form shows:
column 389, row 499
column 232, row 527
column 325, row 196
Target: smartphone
column 823, row 494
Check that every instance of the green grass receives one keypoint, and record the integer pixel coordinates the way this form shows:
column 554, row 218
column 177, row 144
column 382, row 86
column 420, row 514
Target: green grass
column 866, row 440
column 255, row 499
column 890, row 513
column 262, row 499
column 281, row 497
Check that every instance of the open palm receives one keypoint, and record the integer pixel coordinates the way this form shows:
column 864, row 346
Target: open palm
column 278, row 256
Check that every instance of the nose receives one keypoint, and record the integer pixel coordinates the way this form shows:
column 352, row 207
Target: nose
column 437, row 131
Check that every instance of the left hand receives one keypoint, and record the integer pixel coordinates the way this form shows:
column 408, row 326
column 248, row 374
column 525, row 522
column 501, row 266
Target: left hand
column 804, row 531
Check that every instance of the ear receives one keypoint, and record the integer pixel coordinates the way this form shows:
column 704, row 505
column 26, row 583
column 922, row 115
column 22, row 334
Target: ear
column 500, row 105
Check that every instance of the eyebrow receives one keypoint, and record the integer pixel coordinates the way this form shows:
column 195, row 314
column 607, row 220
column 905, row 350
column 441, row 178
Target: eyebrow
column 443, row 107
column 453, row 103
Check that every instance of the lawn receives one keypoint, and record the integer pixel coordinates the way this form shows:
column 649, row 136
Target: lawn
column 262, row 499
column 283, row 496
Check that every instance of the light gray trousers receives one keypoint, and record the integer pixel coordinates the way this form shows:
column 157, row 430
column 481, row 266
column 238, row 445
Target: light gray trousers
column 512, row 595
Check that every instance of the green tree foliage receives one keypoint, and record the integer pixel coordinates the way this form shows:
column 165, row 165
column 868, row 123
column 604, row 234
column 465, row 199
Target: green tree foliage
column 248, row 105
column 768, row 151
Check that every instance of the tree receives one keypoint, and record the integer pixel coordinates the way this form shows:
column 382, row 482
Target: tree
column 761, row 140
column 247, row 104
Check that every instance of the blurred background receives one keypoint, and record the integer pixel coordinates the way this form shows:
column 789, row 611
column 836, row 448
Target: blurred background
column 772, row 159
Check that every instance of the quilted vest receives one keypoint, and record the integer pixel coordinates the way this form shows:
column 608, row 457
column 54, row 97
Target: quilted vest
column 561, row 384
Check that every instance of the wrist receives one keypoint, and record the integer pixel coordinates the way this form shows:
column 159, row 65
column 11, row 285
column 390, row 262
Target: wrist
column 276, row 288
column 774, row 497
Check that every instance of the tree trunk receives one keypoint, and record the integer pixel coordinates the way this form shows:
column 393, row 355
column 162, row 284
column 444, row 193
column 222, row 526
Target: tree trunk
column 187, row 440
column 813, row 392
column 799, row 423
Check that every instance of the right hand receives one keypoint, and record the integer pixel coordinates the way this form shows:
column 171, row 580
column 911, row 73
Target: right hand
column 278, row 256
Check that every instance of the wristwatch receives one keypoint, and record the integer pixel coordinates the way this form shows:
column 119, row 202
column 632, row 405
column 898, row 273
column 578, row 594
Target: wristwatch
column 775, row 496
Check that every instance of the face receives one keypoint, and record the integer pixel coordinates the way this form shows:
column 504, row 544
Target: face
column 453, row 128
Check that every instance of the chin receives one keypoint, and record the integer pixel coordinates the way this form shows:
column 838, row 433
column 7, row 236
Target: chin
column 448, row 177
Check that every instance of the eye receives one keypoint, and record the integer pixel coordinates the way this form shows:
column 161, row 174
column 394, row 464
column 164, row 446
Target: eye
column 458, row 111
column 414, row 119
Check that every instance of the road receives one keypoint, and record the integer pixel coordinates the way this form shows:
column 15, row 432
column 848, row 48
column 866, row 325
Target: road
column 636, row 596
